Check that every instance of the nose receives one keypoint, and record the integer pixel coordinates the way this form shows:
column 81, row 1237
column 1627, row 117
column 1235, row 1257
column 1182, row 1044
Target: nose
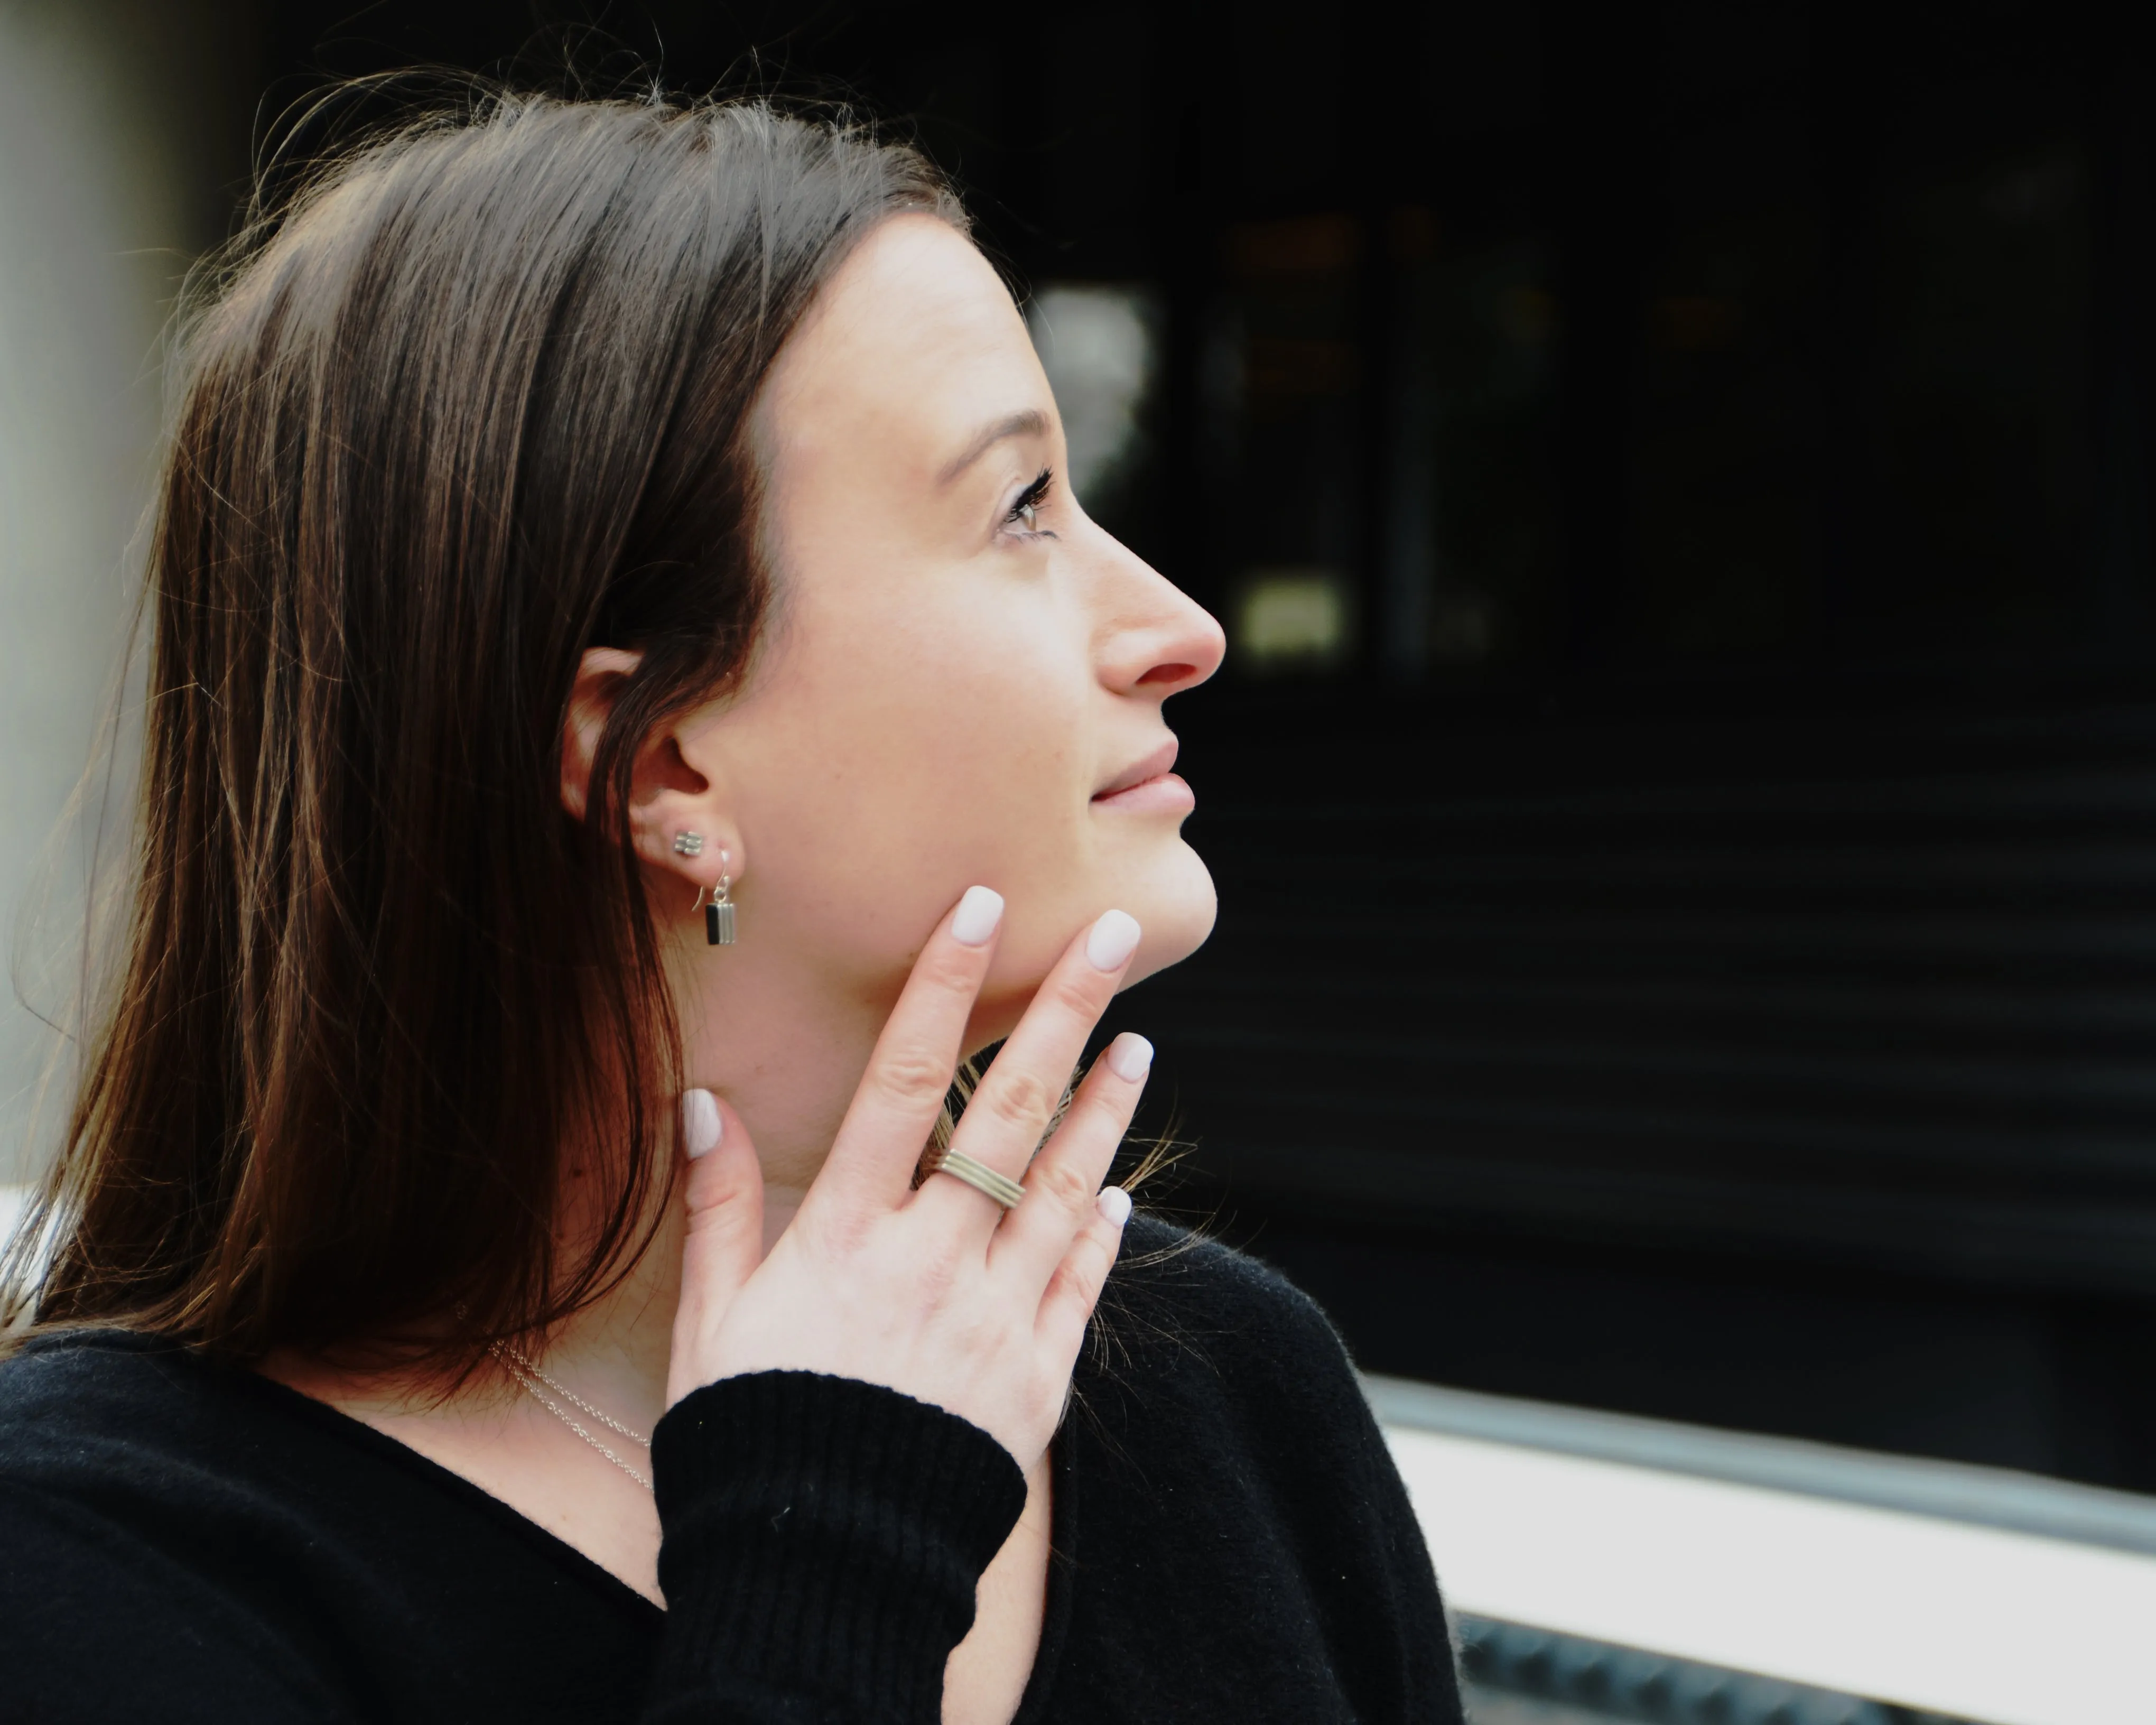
column 1157, row 641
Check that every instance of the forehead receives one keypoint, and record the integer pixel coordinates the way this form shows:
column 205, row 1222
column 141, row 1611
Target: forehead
column 915, row 334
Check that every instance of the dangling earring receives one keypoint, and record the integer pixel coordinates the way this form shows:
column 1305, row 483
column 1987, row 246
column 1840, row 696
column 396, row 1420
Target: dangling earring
column 719, row 912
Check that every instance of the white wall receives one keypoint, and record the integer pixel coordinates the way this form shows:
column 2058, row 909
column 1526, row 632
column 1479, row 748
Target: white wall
column 119, row 139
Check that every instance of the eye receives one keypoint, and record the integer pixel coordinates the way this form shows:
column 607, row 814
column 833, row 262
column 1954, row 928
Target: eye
column 1025, row 512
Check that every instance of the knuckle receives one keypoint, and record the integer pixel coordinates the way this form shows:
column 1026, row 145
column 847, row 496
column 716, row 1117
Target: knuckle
column 1080, row 995
column 1062, row 1184
column 935, row 1275
column 1082, row 1273
column 949, row 968
column 1104, row 1110
column 843, row 1230
column 720, row 1217
column 1017, row 1098
column 715, row 1203
column 912, row 1077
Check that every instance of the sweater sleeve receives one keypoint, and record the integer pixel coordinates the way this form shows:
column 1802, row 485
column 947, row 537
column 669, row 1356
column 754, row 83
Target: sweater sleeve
column 822, row 1541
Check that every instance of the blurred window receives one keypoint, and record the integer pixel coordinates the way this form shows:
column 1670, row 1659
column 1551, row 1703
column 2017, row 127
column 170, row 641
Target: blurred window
column 1100, row 344
column 1291, row 619
column 1980, row 442
column 1727, row 428
column 1470, row 553
column 1282, row 379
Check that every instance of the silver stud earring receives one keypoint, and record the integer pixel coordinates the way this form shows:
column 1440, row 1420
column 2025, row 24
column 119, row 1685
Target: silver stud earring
column 718, row 908
column 687, row 844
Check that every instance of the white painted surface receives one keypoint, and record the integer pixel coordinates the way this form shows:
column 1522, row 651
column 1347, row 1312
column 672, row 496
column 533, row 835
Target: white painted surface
column 122, row 123
column 80, row 281
column 2009, row 1628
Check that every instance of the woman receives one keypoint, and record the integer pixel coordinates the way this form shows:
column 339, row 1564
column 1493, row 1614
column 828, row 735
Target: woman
column 619, row 634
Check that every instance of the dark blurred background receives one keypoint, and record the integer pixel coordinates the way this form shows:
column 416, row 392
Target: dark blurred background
column 1684, row 788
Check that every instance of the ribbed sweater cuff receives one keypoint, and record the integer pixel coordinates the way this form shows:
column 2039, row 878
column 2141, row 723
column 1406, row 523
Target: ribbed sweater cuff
column 822, row 1538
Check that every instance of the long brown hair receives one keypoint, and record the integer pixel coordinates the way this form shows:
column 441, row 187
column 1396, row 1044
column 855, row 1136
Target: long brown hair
column 474, row 400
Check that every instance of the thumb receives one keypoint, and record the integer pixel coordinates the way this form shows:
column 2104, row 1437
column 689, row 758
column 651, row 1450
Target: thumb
column 723, row 1241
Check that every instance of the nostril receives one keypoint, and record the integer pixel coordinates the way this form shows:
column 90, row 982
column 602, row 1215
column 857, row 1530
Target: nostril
column 1169, row 673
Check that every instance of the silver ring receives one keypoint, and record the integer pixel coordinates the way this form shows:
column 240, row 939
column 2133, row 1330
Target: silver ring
column 979, row 1176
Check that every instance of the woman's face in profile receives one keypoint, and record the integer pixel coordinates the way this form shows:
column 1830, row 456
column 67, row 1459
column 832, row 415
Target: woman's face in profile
column 962, row 678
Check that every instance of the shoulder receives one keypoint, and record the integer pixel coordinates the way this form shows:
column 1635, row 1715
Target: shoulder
column 53, row 1358
column 1220, row 1448
column 1196, row 1322
column 134, row 1442
column 117, row 1432
column 124, row 1567
column 63, row 1397
column 1211, row 1289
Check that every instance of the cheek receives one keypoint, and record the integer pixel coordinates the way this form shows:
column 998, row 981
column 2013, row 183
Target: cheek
column 988, row 709
column 924, row 746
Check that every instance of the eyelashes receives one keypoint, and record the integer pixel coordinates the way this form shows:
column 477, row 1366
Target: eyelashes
column 1025, row 512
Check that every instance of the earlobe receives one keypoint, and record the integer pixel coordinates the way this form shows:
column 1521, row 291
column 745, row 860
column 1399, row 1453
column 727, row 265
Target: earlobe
column 679, row 822
column 711, row 865
column 678, row 815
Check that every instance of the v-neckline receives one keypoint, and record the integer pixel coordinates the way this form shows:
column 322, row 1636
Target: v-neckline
column 1056, row 1605
column 356, row 1431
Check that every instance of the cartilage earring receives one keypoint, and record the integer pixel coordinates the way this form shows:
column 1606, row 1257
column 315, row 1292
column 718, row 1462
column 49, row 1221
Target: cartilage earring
column 718, row 908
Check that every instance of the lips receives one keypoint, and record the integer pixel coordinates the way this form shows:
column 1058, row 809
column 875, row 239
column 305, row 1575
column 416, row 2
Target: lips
column 1138, row 772
column 1146, row 786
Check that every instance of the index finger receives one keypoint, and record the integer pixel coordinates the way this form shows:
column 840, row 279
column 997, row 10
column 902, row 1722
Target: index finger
column 1018, row 1095
column 894, row 1106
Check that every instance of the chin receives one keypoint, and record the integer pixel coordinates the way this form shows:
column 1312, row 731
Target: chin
column 1177, row 908
column 1172, row 896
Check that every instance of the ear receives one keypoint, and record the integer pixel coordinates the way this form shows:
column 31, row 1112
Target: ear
column 600, row 674
column 668, row 797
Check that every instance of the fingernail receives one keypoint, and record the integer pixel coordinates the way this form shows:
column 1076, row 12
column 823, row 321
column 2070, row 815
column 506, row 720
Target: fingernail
column 1130, row 1057
column 1114, row 938
column 701, row 1124
column 1114, row 1204
column 977, row 916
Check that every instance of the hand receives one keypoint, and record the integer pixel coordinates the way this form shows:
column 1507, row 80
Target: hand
column 937, row 1293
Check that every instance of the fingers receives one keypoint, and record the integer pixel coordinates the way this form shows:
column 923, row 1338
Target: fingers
column 1075, row 1288
column 723, row 1242
column 909, row 1074
column 1008, row 1112
column 1063, row 1184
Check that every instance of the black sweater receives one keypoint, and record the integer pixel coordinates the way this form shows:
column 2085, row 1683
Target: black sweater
column 1230, row 1541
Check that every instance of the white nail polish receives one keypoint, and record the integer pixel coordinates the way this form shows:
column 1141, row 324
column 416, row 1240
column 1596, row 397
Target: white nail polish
column 1130, row 1057
column 700, row 1124
column 1114, row 1204
column 1114, row 938
column 977, row 916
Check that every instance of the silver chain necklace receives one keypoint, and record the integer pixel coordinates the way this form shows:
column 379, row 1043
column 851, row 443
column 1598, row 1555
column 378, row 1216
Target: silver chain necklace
column 530, row 1377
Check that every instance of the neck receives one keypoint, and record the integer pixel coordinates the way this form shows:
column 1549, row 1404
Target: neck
column 787, row 1054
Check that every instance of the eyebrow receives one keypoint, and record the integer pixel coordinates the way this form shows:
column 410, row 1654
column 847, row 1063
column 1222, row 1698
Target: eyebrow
column 1031, row 422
